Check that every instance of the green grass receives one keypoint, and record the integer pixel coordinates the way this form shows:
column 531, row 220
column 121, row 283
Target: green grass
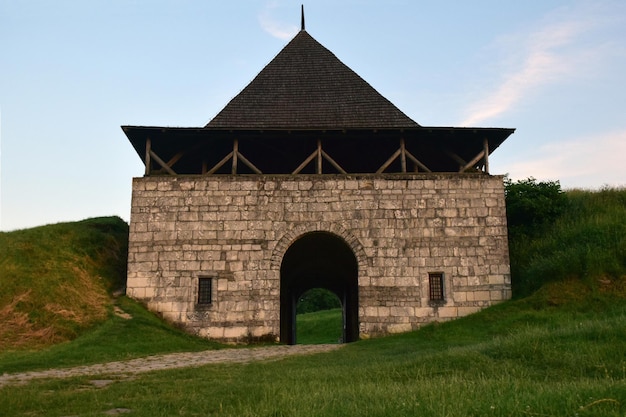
column 56, row 280
column 57, row 283
column 512, row 359
column 586, row 242
column 325, row 326
column 116, row 339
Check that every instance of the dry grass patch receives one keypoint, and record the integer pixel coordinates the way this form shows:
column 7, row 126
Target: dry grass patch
column 57, row 279
column 17, row 331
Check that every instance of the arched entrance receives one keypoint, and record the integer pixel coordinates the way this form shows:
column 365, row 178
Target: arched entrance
column 319, row 260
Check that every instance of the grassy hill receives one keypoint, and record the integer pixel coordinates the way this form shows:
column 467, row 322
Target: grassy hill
column 572, row 236
column 57, row 279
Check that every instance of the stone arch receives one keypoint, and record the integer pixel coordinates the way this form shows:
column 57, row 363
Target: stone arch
column 301, row 229
column 319, row 259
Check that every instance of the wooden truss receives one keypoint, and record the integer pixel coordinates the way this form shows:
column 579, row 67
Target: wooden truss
column 469, row 166
column 235, row 156
column 318, row 155
column 403, row 154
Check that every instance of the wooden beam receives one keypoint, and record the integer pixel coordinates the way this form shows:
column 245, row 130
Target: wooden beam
column 457, row 158
column 235, row 153
column 305, row 163
column 333, row 163
column 179, row 155
column 389, row 161
column 219, row 164
column 318, row 154
column 473, row 162
column 486, row 151
column 162, row 163
column 248, row 163
column 147, row 160
column 175, row 159
column 417, row 162
column 319, row 157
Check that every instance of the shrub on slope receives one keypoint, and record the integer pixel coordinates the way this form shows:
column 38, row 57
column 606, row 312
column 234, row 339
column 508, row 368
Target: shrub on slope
column 583, row 239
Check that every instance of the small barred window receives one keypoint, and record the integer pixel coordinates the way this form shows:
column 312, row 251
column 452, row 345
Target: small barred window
column 435, row 285
column 204, row 290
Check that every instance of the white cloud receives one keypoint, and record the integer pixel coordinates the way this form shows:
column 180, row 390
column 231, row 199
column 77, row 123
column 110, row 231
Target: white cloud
column 584, row 162
column 550, row 53
column 274, row 27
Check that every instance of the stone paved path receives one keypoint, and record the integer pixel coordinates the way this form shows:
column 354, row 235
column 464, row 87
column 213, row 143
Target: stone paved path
column 170, row 361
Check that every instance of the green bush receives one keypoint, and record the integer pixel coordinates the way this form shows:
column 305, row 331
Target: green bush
column 530, row 204
column 575, row 235
column 317, row 299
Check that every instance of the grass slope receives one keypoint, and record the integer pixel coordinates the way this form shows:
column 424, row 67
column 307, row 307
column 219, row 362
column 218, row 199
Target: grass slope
column 56, row 280
column 135, row 334
column 520, row 358
column 587, row 242
column 325, row 326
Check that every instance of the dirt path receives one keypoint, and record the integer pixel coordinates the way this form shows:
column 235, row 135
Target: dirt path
column 170, row 361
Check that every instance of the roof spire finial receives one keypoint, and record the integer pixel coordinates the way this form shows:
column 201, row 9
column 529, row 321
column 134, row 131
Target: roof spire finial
column 302, row 18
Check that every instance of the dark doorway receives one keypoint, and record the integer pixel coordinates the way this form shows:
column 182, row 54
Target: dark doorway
column 319, row 260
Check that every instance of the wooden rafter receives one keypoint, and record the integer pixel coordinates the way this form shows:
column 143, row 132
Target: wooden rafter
column 473, row 162
column 248, row 163
column 219, row 164
column 417, row 162
column 163, row 164
column 482, row 155
column 305, row 163
column 152, row 156
column 235, row 155
column 403, row 154
column 464, row 166
column 457, row 158
column 389, row 161
column 333, row 162
column 319, row 155
column 175, row 159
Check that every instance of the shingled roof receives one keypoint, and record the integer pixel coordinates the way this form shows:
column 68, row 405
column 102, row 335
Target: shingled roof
column 307, row 87
column 307, row 105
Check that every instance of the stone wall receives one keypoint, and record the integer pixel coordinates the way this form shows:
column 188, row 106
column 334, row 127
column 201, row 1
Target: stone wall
column 236, row 229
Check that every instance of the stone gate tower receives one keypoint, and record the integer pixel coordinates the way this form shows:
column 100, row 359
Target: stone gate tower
column 309, row 178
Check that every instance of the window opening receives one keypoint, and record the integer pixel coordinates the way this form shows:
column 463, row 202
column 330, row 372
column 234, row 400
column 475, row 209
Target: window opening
column 205, row 290
column 435, row 284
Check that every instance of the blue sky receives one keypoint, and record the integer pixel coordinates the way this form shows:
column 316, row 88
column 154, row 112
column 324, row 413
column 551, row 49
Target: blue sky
column 72, row 72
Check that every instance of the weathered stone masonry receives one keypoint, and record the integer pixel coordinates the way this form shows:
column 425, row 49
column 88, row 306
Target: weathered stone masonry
column 236, row 230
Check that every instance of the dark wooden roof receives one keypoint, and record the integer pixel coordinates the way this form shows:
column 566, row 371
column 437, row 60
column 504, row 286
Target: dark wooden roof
column 307, row 87
column 307, row 112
